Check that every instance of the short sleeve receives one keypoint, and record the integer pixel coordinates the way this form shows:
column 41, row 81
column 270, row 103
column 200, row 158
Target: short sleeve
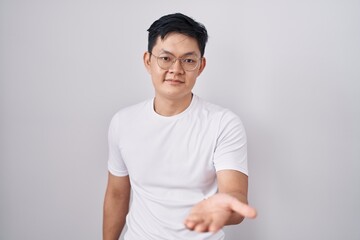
column 231, row 145
column 116, row 165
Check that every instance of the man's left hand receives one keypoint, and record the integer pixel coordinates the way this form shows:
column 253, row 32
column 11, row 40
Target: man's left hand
column 212, row 214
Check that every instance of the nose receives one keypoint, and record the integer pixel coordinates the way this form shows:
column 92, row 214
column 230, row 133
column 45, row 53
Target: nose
column 176, row 67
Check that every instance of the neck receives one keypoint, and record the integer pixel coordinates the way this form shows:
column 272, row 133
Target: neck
column 170, row 107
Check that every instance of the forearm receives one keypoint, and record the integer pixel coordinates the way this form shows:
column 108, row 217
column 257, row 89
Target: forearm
column 115, row 211
column 234, row 184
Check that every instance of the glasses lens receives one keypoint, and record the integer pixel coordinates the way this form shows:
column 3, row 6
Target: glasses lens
column 188, row 63
column 165, row 61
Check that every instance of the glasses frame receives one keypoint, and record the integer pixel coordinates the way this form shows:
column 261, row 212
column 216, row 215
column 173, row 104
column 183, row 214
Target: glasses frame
column 174, row 61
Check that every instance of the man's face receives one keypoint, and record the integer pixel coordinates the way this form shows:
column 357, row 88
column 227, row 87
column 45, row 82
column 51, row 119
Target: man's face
column 174, row 83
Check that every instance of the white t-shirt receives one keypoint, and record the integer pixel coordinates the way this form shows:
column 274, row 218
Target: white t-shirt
column 172, row 163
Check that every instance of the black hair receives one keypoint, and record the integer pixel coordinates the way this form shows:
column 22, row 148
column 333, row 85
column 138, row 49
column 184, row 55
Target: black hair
column 178, row 23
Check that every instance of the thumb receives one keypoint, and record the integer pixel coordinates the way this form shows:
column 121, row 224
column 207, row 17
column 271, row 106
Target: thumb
column 243, row 209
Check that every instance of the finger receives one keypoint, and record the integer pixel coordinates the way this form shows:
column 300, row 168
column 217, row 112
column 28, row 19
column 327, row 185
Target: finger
column 243, row 209
column 217, row 224
column 201, row 227
column 215, row 227
column 190, row 225
column 192, row 220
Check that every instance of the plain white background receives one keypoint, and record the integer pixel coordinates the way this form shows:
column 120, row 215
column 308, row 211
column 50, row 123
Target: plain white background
column 290, row 69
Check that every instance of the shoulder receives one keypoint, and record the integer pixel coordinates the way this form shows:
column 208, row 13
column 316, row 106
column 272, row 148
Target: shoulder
column 225, row 121
column 133, row 110
column 216, row 111
column 130, row 113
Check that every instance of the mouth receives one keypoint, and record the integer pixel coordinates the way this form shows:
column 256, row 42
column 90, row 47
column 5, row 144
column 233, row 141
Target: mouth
column 173, row 81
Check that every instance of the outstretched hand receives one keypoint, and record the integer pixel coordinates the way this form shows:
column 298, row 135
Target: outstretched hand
column 212, row 214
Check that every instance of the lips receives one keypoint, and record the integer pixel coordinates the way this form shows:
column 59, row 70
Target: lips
column 174, row 81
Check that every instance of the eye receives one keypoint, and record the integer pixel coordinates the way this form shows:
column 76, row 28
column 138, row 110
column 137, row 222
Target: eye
column 189, row 61
column 165, row 58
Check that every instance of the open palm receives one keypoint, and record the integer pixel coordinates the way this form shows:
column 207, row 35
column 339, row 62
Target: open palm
column 213, row 213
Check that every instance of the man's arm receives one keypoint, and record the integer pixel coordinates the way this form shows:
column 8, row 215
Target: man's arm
column 228, row 206
column 234, row 183
column 116, row 206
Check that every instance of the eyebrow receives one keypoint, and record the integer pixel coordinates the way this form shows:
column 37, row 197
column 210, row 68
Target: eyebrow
column 186, row 54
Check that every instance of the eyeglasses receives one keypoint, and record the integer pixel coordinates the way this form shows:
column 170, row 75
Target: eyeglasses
column 188, row 63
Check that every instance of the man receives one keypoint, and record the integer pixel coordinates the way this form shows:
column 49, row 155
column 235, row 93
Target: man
column 184, row 159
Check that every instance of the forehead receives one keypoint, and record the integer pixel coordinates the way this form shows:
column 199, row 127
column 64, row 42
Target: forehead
column 177, row 44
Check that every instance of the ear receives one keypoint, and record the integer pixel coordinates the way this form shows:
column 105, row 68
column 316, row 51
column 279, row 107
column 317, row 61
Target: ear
column 202, row 65
column 146, row 60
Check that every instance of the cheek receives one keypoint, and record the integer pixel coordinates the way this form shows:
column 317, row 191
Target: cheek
column 157, row 75
column 153, row 67
column 192, row 78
